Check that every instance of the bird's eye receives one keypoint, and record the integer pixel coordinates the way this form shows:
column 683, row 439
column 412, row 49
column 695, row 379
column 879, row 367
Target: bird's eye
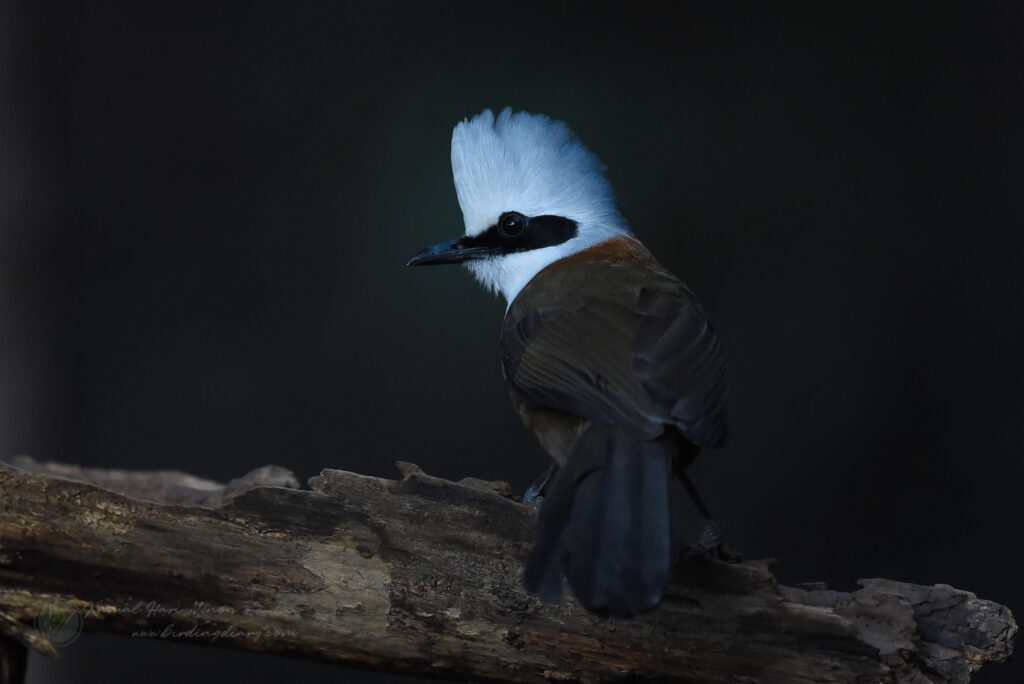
column 511, row 224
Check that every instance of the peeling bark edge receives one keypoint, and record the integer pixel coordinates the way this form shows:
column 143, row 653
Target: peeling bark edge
column 421, row 576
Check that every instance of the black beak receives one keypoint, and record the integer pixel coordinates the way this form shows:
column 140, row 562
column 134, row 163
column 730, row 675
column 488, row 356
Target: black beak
column 450, row 252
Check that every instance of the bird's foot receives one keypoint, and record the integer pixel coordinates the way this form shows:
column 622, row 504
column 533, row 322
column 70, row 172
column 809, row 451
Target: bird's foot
column 711, row 544
column 534, row 494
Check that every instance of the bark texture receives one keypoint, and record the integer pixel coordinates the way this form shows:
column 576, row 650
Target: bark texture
column 422, row 576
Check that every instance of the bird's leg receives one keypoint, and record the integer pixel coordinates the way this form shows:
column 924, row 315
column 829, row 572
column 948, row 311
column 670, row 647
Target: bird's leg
column 534, row 494
column 711, row 536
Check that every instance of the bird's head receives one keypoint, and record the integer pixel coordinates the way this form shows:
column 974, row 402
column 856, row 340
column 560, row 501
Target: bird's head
column 530, row 194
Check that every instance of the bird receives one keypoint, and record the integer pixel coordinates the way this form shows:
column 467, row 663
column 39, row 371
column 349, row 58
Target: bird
column 609, row 359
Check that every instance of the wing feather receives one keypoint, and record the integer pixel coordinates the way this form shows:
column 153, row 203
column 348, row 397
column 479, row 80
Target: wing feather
column 635, row 350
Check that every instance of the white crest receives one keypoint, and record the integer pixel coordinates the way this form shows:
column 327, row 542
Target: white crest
column 533, row 165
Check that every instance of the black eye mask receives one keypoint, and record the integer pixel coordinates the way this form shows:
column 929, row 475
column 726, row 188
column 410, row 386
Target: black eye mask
column 517, row 233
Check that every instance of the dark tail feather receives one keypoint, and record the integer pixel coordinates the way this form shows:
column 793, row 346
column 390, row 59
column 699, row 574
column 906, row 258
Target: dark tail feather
column 606, row 522
column 543, row 573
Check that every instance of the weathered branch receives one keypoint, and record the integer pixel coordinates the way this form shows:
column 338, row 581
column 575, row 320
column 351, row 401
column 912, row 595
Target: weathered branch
column 422, row 575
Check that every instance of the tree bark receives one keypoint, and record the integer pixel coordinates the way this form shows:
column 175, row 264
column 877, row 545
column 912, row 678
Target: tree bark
column 422, row 576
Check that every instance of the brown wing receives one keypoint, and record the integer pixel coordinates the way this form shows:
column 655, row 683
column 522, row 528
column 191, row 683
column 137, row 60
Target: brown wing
column 636, row 351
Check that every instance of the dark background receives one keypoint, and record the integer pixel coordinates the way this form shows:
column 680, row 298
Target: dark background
column 205, row 212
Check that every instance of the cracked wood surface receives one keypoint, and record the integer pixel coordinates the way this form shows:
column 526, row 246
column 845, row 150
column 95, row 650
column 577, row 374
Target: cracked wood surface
column 422, row 576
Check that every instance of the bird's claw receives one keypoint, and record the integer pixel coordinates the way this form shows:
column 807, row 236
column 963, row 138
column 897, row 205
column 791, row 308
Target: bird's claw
column 533, row 498
column 711, row 544
column 534, row 494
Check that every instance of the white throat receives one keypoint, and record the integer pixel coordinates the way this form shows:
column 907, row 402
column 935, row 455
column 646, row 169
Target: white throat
column 508, row 275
